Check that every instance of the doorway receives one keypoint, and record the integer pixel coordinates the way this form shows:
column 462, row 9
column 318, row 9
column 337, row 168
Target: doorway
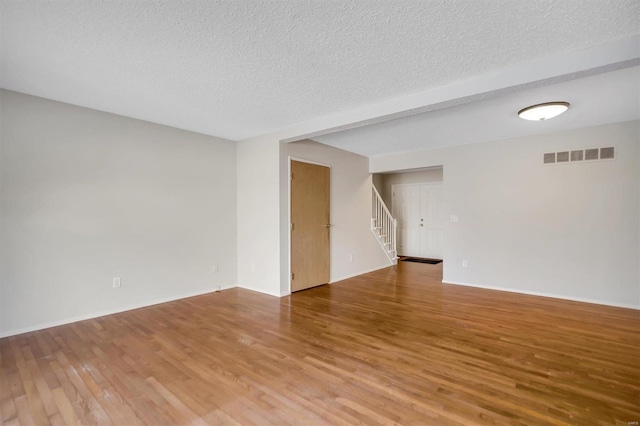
column 310, row 225
column 419, row 211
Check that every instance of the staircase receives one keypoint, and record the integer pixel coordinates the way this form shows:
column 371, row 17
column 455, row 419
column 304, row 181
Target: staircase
column 383, row 226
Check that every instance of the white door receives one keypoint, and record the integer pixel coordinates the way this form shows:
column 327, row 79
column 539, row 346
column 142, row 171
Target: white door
column 431, row 221
column 418, row 209
column 406, row 209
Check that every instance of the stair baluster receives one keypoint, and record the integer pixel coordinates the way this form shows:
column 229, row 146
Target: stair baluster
column 383, row 225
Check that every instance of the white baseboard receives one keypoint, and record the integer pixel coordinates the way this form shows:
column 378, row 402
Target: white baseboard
column 268, row 293
column 110, row 312
column 551, row 295
column 345, row 277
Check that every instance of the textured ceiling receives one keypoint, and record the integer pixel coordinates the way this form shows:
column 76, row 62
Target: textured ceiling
column 604, row 98
column 237, row 69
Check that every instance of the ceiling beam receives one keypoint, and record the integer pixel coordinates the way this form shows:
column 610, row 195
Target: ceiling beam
column 596, row 60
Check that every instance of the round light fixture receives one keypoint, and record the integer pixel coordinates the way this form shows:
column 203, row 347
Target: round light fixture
column 544, row 111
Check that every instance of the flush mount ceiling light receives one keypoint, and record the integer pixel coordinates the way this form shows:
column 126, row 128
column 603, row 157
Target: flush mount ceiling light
column 544, row 111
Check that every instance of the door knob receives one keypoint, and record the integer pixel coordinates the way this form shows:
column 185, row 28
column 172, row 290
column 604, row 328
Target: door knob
column 328, row 225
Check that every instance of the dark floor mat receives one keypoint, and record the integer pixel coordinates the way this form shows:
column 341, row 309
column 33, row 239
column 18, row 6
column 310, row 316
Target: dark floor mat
column 421, row 260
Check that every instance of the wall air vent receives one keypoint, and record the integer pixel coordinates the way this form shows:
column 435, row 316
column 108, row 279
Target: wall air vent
column 579, row 156
column 606, row 153
column 591, row 154
column 550, row 158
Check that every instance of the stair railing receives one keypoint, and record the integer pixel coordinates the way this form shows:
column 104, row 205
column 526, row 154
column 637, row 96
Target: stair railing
column 383, row 224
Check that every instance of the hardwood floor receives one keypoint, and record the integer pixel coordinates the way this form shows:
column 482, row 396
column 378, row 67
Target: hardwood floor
column 393, row 346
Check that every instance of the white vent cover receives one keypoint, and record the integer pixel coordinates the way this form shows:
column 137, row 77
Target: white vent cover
column 581, row 155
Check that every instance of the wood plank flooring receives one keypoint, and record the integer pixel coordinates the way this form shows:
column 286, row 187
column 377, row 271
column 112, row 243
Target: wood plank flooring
column 391, row 347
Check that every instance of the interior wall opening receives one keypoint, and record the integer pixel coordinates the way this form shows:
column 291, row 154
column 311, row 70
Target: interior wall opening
column 416, row 199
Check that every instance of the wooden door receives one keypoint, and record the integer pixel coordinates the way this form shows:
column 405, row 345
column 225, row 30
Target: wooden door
column 310, row 225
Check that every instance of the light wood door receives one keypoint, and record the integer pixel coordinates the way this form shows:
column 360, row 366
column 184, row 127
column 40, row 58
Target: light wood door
column 418, row 209
column 310, row 225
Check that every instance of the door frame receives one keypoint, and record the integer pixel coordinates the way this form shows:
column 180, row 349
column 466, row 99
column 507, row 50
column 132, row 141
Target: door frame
column 303, row 160
column 441, row 183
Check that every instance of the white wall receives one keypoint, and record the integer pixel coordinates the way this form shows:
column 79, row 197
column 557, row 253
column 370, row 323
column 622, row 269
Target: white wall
column 350, row 210
column 569, row 231
column 88, row 196
column 258, row 216
column 386, row 181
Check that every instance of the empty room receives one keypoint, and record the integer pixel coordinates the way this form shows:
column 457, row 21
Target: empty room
column 319, row 212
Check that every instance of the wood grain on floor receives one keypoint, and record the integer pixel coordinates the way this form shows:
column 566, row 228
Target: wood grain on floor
column 392, row 346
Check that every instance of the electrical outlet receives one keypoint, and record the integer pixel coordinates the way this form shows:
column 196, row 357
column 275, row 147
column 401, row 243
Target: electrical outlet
column 454, row 218
column 465, row 263
column 215, row 268
column 351, row 258
column 116, row 282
